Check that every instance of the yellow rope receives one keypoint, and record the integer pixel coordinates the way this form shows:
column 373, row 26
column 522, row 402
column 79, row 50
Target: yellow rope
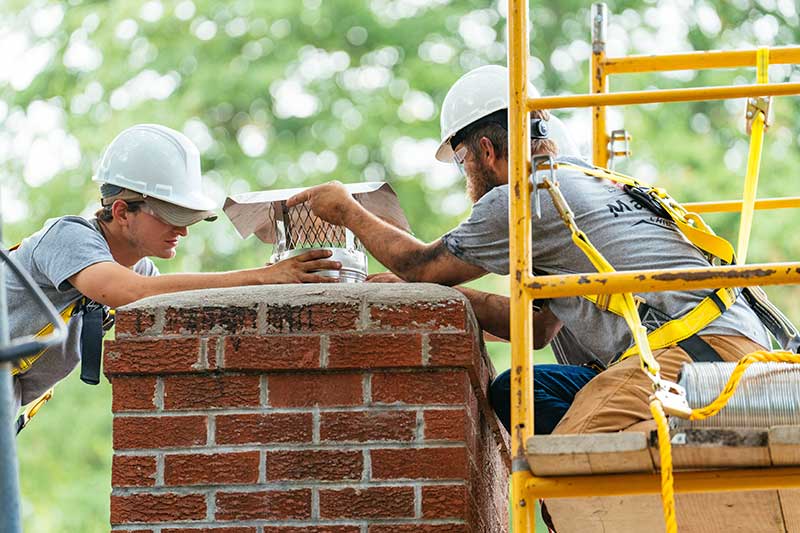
column 664, row 445
column 665, row 449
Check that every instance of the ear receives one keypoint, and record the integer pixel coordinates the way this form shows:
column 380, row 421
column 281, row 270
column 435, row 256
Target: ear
column 119, row 209
column 487, row 150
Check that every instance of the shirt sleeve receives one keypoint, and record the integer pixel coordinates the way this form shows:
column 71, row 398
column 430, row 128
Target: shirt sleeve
column 67, row 247
column 482, row 239
column 146, row 267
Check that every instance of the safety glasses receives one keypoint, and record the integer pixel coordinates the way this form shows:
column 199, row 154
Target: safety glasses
column 459, row 156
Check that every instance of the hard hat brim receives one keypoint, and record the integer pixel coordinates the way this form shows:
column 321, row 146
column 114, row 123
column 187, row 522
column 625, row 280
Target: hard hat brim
column 177, row 215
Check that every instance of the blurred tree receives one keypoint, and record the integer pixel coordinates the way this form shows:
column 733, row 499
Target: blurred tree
column 292, row 93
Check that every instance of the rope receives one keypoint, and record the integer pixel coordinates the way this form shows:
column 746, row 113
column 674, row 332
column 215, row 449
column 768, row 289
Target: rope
column 665, row 449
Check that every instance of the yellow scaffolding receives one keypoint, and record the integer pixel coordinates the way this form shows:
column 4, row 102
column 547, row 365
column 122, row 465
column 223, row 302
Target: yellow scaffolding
column 525, row 287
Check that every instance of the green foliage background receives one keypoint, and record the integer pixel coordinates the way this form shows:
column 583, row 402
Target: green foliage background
column 291, row 93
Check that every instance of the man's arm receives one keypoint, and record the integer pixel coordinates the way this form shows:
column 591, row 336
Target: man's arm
column 494, row 315
column 402, row 253
column 114, row 285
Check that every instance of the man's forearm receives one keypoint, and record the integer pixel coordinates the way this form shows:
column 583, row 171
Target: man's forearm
column 491, row 310
column 400, row 252
column 145, row 286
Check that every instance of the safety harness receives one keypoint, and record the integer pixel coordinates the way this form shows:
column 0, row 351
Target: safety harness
column 664, row 330
column 97, row 319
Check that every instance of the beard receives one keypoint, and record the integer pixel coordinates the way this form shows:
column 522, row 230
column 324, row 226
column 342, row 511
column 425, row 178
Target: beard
column 481, row 180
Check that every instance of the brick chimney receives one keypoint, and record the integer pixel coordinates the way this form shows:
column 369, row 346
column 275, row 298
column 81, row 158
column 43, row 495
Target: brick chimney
column 305, row 408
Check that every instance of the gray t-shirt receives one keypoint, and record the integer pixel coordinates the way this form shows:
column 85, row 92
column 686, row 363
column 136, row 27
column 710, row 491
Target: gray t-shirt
column 61, row 249
column 628, row 235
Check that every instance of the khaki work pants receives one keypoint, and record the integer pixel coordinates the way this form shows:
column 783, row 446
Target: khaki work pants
column 618, row 398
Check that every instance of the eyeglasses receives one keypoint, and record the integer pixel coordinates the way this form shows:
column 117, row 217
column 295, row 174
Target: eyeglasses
column 459, row 156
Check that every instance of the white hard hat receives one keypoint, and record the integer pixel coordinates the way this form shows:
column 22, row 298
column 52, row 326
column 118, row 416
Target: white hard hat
column 479, row 93
column 156, row 162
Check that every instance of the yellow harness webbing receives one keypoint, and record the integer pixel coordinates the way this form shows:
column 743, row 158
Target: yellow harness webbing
column 623, row 302
column 24, row 364
column 677, row 330
column 691, row 225
column 695, row 231
column 759, row 124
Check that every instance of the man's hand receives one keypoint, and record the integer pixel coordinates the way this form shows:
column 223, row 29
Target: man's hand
column 384, row 277
column 330, row 201
column 299, row 269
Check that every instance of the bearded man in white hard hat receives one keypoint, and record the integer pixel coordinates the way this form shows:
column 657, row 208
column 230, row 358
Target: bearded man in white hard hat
column 150, row 184
column 474, row 123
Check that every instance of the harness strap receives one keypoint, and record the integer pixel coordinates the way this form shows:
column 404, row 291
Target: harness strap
column 97, row 319
column 25, row 363
column 696, row 231
column 668, row 331
column 756, row 129
column 677, row 330
column 691, row 225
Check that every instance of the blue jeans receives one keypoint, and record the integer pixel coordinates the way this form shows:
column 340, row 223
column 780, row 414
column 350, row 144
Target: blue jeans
column 554, row 388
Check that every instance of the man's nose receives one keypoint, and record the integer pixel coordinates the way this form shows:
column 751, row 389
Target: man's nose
column 181, row 230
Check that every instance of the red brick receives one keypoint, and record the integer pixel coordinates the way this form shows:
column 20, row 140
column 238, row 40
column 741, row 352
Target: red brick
column 133, row 323
column 445, row 501
column 133, row 393
column 313, row 529
column 210, row 391
column 420, row 315
column 133, row 471
column 305, row 390
column 420, row 463
column 452, row 349
column 271, row 353
column 269, row 505
column 210, row 530
column 263, row 428
column 198, row 320
column 419, row 528
column 373, row 350
column 374, row 502
column 157, row 508
column 446, row 424
column 158, row 432
column 133, row 531
column 323, row 465
column 438, row 387
column 312, row 318
column 162, row 356
column 211, row 469
column 368, row 426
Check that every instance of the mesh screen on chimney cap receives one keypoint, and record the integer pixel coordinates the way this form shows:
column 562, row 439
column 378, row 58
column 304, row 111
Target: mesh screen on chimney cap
column 295, row 230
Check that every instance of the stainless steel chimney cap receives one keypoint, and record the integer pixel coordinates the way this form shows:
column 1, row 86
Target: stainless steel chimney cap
column 295, row 230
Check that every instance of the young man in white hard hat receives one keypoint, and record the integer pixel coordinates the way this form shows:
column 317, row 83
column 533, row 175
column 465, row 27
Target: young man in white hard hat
column 475, row 137
column 151, row 192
